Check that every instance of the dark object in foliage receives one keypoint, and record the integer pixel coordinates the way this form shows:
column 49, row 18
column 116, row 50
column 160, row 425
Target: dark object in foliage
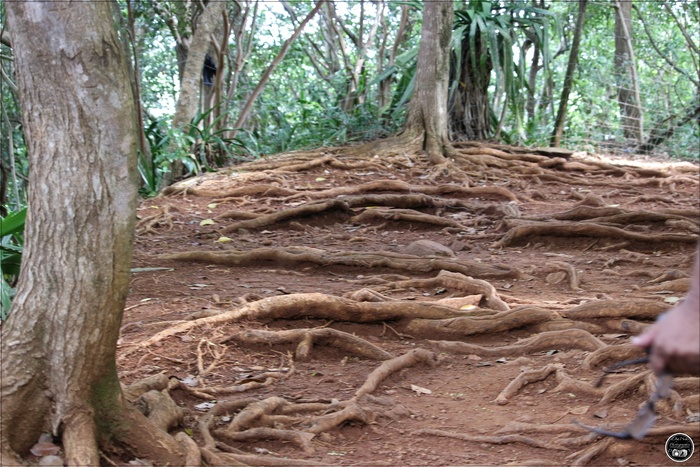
column 209, row 71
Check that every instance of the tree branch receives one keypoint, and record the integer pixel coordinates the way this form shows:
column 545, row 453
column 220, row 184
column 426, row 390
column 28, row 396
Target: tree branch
column 266, row 75
column 666, row 57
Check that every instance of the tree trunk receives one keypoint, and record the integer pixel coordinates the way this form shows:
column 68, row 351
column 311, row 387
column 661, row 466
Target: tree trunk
column 186, row 106
column 626, row 73
column 427, row 113
column 569, row 77
column 58, row 371
column 471, row 112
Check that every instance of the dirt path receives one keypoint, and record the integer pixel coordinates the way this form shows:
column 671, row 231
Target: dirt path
column 295, row 316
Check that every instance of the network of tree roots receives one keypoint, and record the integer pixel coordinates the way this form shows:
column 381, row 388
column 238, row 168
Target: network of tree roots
column 492, row 199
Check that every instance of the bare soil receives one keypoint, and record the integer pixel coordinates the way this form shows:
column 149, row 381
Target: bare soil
column 561, row 257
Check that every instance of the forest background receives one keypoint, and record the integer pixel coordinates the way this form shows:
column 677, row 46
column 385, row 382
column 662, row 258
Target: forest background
column 224, row 82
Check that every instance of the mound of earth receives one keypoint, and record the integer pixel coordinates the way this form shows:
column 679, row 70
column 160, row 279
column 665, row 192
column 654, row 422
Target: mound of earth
column 341, row 307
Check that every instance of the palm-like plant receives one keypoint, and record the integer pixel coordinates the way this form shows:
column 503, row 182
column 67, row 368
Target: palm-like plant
column 492, row 38
column 11, row 246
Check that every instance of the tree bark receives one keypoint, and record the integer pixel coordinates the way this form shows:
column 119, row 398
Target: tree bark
column 58, row 346
column 209, row 21
column 186, row 106
column 626, row 73
column 427, row 112
column 471, row 112
column 569, row 77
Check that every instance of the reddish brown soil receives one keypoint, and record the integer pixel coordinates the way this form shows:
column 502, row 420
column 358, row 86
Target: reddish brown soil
column 462, row 387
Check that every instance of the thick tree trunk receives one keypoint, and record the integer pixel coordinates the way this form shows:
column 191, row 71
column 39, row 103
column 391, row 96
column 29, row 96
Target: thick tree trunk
column 427, row 112
column 471, row 112
column 626, row 73
column 569, row 77
column 186, row 106
column 58, row 344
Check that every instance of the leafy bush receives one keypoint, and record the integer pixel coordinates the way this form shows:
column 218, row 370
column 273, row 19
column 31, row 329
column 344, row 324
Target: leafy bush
column 200, row 147
column 11, row 246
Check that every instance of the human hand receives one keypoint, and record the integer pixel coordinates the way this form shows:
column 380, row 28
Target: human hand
column 674, row 341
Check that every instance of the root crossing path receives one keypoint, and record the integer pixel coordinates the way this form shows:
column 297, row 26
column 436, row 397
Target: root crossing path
column 351, row 307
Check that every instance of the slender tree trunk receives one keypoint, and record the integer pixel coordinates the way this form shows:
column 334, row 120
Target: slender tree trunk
column 569, row 78
column 144, row 147
column 385, row 84
column 427, row 112
column 532, row 83
column 186, row 106
column 245, row 111
column 58, row 370
column 626, row 73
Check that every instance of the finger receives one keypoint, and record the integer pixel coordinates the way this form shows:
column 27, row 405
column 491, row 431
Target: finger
column 646, row 339
column 657, row 363
column 683, row 365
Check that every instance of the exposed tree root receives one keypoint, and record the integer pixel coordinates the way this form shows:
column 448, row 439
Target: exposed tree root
column 282, row 182
column 315, row 305
column 678, row 285
column 507, row 439
column 523, row 379
column 250, row 383
column 554, row 428
column 160, row 409
column 149, row 224
column 587, row 229
column 305, row 339
column 298, row 255
column 584, row 456
column 570, row 271
column 298, row 438
column 454, row 281
column 504, row 321
column 384, row 186
column 643, row 309
column 564, row 324
column 345, row 202
column 614, row 215
column 618, row 389
column 611, row 354
column 567, row 339
column 389, row 367
column 406, row 215
column 274, row 413
column 286, row 214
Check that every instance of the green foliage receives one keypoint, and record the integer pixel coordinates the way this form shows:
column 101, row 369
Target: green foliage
column 200, row 147
column 11, row 247
column 497, row 36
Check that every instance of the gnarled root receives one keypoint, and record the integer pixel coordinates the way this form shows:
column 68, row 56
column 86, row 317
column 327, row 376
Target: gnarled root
column 567, row 339
column 491, row 439
column 523, row 379
column 307, row 338
column 504, row 321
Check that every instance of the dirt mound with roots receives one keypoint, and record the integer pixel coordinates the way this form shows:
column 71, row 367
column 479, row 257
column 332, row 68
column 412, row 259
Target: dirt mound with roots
column 360, row 306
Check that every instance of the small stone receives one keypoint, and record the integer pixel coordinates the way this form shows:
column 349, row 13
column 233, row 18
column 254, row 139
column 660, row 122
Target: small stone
column 428, row 248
